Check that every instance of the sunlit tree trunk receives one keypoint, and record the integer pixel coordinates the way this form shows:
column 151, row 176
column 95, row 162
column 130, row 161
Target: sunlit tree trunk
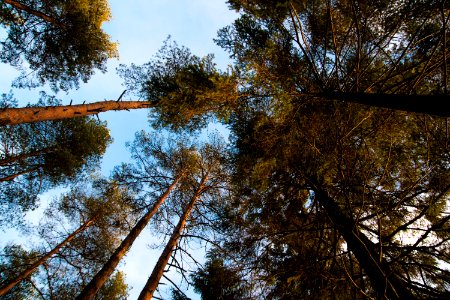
column 152, row 282
column 37, row 13
column 10, row 284
column 102, row 276
column 13, row 116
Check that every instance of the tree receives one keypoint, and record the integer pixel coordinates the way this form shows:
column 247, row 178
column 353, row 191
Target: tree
column 114, row 289
column 86, row 247
column 330, row 199
column 344, row 50
column 205, row 175
column 283, row 247
column 76, row 264
column 62, row 42
column 36, row 157
column 186, row 90
column 14, row 257
column 157, row 161
column 108, row 268
column 27, row 272
column 178, row 295
column 153, row 281
column 356, row 167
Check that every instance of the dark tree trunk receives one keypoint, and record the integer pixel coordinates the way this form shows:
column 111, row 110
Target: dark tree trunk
column 436, row 105
column 384, row 281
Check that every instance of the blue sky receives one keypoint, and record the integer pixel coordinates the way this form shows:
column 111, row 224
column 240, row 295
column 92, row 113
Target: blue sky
column 140, row 27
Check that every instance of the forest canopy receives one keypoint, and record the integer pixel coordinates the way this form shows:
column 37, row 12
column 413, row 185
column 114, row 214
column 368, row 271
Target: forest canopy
column 334, row 182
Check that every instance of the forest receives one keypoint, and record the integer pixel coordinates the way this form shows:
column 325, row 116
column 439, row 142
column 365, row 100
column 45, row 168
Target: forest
column 334, row 181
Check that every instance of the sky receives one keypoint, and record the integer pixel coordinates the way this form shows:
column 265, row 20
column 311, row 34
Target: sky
column 140, row 27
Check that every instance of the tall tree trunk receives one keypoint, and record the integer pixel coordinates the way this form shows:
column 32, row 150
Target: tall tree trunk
column 10, row 284
column 426, row 104
column 100, row 278
column 152, row 282
column 384, row 281
column 36, row 13
column 13, row 116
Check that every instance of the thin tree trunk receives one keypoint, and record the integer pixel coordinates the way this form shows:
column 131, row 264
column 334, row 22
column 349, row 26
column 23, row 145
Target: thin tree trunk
column 13, row 116
column 11, row 177
column 36, row 13
column 153, row 281
column 10, row 284
column 23, row 156
column 384, row 281
column 100, row 278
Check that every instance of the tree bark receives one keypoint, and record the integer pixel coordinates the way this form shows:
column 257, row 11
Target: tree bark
column 36, row 13
column 10, row 284
column 14, row 116
column 153, row 281
column 100, row 278
column 384, row 281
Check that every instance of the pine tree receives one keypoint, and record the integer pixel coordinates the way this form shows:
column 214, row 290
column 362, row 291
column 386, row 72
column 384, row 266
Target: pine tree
column 28, row 271
column 37, row 157
column 61, row 272
column 61, row 41
column 153, row 281
column 368, row 175
column 108, row 268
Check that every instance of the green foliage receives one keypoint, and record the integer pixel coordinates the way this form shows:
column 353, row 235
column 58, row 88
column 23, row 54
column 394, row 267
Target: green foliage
column 188, row 90
column 157, row 161
column 61, row 51
column 216, row 281
column 385, row 171
column 81, row 141
column 114, row 289
column 263, row 8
